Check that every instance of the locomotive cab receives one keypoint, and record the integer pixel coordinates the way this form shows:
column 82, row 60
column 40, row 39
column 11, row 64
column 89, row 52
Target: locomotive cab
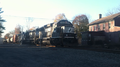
column 63, row 33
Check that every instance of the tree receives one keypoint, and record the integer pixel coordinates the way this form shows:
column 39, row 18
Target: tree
column 8, row 34
column 33, row 28
column 29, row 20
column 12, row 32
column 80, row 24
column 1, row 26
column 113, row 11
column 60, row 17
column 18, row 29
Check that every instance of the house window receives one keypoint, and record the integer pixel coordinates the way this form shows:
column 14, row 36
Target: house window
column 91, row 28
column 104, row 26
column 94, row 28
column 119, row 36
column 98, row 27
column 109, row 25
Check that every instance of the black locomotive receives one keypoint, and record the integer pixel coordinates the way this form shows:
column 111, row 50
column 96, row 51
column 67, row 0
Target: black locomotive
column 57, row 33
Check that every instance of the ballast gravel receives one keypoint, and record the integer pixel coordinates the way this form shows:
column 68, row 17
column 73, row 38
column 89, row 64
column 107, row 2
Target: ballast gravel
column 55, row 57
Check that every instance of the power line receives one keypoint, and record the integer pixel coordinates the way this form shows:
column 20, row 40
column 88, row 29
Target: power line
column 33, row 17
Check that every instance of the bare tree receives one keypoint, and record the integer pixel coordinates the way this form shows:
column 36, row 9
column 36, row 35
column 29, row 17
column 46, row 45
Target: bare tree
column 60, row 17
column 29, row 20
column 113, row 11
column 118, row 8
column 12, row 32
column 9, row 33
column 18, row 29
column 6, row 36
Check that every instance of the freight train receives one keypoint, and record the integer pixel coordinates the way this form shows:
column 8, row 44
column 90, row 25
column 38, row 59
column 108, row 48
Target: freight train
column 58, row 33
column 98, row 38
column 94, row 38
column 13, row 39
column 62, row 33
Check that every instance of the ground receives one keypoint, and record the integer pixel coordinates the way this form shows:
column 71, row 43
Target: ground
column 15, row 55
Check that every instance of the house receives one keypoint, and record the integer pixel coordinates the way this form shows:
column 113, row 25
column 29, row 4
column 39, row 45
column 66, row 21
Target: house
column 109, row 24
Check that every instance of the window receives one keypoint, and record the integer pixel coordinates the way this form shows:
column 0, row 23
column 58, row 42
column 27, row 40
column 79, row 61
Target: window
column 119, row 36
column 91, row 28
column 48, row 29
column 104, row 26
column 30, row 33
column 64, row 22
column 94, row 28
column 109, row 25
column 54, row 30
column 98, row 27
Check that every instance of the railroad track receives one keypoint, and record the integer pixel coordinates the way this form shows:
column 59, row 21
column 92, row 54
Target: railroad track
column 90, row 48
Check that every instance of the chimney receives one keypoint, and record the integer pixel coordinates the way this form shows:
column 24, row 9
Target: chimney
column 100, row 16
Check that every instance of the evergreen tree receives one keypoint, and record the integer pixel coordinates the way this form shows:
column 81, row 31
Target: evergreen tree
column 1, row 26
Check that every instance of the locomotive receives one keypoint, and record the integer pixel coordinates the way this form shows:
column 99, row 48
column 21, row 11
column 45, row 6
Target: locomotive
column 57, row 33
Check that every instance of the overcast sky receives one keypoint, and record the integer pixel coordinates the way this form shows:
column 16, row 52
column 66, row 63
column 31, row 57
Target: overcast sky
column 16, row 11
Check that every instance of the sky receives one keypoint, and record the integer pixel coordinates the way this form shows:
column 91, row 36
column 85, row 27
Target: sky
column 44, row 11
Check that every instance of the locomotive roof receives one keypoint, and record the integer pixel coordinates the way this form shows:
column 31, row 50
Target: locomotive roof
column 41, row 28
column 60, row 21
column 48, row 25
column 63, row 22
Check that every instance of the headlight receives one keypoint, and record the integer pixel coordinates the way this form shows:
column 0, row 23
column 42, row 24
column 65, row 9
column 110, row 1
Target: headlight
column 63, row 27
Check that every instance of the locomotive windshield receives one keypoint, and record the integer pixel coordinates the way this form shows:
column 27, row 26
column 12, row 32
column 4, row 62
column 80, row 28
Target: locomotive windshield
column 65, row 22
column 67, row 29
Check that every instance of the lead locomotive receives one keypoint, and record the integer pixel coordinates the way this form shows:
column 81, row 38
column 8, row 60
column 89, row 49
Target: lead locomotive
column 57, row 33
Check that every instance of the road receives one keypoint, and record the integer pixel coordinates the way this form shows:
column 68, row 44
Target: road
column 15, row 55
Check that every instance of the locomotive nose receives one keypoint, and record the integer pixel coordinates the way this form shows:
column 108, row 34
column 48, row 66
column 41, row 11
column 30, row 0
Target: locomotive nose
column 67, row 29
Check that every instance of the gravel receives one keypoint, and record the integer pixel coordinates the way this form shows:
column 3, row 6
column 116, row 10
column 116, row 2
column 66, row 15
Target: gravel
column 55, row 57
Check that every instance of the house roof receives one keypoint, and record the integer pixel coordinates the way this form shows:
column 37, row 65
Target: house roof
column 104, row 19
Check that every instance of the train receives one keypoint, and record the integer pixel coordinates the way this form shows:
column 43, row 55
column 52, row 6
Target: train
column 94, row 38
column 13, row 39
column 98, row 38
column 59, row 33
